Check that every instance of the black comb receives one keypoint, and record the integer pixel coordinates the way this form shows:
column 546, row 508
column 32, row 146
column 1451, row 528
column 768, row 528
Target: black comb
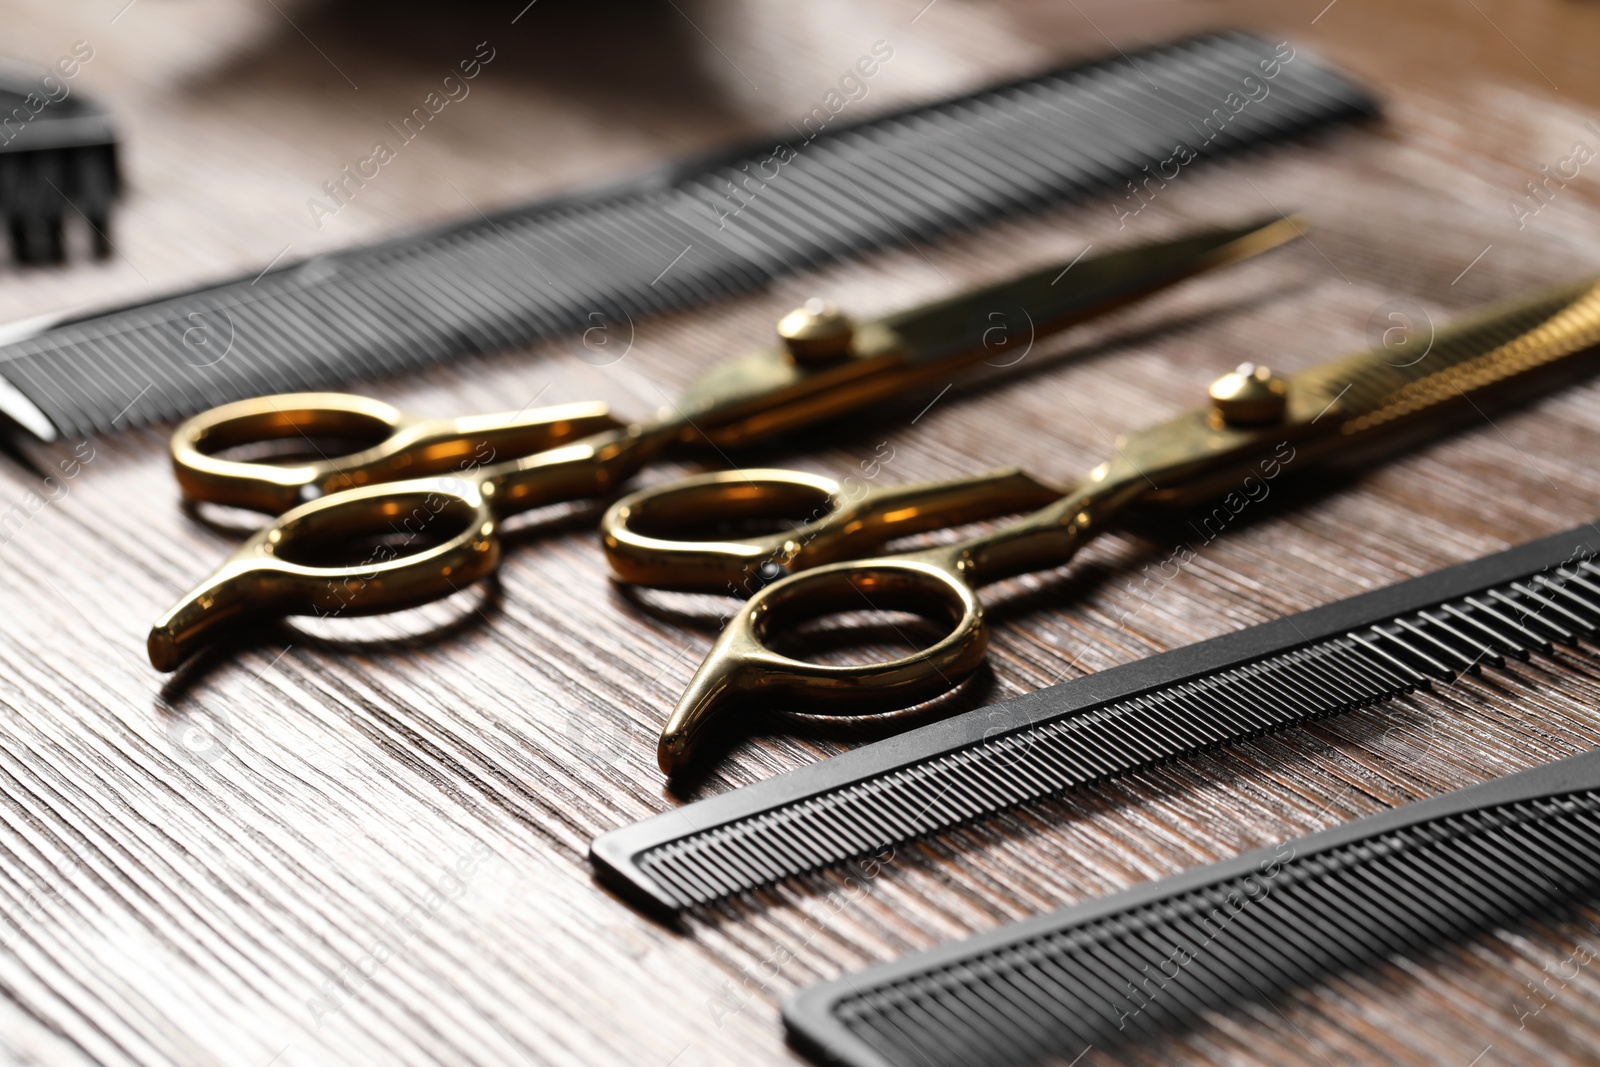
column 1298, row 669
column 1399, row 884
column 58, row 158
column 675, row 238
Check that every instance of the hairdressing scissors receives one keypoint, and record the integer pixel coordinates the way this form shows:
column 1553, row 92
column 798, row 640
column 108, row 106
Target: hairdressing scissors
column 1255, row 425
column 427, row 494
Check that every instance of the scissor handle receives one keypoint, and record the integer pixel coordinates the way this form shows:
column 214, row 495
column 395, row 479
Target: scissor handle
column 389, row 445
column 742, row 666
column 936, row 583
column 832, row 522
column 446, row 542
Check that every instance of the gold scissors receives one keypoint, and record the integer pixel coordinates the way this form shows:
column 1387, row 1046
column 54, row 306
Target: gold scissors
column 422, row 498
column 1255, row 425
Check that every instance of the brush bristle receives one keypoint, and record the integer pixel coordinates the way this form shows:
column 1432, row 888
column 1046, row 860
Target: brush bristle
column 58, row 165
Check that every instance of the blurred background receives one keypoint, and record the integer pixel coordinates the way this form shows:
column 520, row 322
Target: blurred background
column 233, row 113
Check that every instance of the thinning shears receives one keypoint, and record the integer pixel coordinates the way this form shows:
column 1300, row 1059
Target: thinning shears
column 1255, row 425
column 426, row 495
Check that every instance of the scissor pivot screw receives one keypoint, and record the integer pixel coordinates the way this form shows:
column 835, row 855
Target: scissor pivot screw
column 1250, row 396
column 817, row 332
column 768, row 572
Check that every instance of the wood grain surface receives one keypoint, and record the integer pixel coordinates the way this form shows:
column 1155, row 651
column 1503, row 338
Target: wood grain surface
column 362, row 841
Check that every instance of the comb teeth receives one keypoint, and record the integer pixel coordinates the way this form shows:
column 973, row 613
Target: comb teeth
column 1320, row 663
column 675, row 239
column 1154, row 959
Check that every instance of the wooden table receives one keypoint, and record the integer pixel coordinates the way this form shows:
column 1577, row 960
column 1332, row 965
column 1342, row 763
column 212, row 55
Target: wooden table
column 364, row 842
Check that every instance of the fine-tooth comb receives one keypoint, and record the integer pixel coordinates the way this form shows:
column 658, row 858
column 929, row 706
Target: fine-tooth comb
column 1153, row 959
column 58, row 159
column 1350, row 654
column 679, row 237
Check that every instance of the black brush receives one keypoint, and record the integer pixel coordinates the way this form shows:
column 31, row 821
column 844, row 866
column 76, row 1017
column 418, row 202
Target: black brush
column 1156, row 958
column 681, row 236
column 1286, row 673
column 58, row 158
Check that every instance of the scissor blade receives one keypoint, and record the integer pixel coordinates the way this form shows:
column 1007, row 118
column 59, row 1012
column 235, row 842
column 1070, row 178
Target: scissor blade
column 1363, row 406
column 1489, row 357
column 999, row 320
column 767, row 393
